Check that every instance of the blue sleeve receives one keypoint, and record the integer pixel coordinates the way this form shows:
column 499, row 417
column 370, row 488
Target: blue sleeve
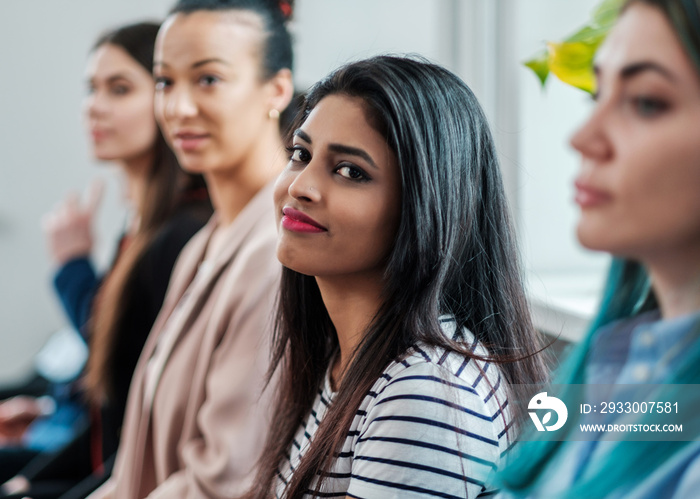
column 76, row 284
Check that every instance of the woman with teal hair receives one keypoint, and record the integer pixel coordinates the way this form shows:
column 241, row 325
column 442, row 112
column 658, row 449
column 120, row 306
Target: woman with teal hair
column 638, row 190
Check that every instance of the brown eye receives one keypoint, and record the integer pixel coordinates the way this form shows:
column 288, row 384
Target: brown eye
column 162, row 83
column 119, row 90
column 300, row 155
column 649, row 107
column 352, row 172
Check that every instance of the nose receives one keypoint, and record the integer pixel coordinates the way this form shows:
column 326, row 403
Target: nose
column 306, row 185
column 591, row 139
column 178, row 102
column 95, row 104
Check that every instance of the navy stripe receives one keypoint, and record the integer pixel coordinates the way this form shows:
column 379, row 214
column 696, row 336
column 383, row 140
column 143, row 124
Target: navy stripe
column 493, row 390
column 438, row 424
column 325, row 494
column 506, row 429
column 435, row 447
column 425, row 355
column 440, row 401
column 466, row 388
column 416, row 466
column 461, row 368
column 488, row 493
column 337, row 475
column 281, row 477
column 478, row 380
column 402, row 486
column 315, row 415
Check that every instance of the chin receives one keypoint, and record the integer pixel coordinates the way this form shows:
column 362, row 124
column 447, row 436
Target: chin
column 590, row 239
column 287, row 258
column 105, row 155
column 191, row 165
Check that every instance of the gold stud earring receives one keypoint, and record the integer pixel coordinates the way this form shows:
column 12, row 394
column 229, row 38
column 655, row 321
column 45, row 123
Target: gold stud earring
column 274, row 114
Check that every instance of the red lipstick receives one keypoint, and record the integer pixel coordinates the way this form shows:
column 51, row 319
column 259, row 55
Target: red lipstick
column 296, row 221
column 588, row 197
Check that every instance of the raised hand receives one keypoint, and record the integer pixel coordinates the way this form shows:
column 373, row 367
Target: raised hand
column 68, row 228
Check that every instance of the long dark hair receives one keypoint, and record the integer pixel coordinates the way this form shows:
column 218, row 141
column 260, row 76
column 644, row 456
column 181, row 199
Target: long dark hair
column 166, row 185
column 454, row 254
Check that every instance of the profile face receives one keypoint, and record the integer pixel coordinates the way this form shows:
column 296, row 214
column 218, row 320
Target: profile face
column 639, row 183
column 338, row 199
column 210, row 100
column 119, row 106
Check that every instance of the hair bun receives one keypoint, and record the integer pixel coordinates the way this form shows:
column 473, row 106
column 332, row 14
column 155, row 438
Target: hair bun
column 286, row 8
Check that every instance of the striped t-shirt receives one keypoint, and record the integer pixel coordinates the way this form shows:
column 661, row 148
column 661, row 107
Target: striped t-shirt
column 431, row 426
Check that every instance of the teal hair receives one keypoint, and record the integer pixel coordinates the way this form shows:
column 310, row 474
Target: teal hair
column 627, row 293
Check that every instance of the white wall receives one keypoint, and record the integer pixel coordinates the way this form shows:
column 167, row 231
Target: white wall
column 43, row 48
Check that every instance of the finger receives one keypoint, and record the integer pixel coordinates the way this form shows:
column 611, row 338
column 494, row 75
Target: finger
column 48, row 221
column 94, row 195
column 72, row 203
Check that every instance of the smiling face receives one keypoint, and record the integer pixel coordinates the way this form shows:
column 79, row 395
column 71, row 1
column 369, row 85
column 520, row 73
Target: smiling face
column 210, row 99
column 338, row 200
column 639, row 184
column 119, row 106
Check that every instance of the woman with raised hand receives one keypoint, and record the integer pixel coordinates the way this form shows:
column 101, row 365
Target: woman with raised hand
column 116, row 311
column 402, row 321
column 195, row 421
column 638, row 195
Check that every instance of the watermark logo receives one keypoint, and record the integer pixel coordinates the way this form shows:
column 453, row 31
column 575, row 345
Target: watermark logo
column 551, row 404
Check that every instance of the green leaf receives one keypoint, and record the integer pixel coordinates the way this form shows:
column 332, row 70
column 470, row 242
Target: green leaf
column 588, row 34
column 540, row 66
column 572, row 63
column 571, row 60
column 606, row 13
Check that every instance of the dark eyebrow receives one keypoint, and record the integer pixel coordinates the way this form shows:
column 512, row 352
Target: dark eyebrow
column 208, row 61
column 353, row 151
column 304, row 136
column 636, row 68
column 196, row 64
column 639, row 67
column 117, row 77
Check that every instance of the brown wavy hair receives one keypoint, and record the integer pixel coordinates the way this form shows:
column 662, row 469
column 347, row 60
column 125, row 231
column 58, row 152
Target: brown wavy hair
column 165, row 185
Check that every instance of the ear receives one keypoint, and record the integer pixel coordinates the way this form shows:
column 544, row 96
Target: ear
column 281, row 88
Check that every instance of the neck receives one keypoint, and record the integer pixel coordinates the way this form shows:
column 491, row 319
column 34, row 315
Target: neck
column 676, row 281
column 136, row 171
column 352, row 303
column 231, row 189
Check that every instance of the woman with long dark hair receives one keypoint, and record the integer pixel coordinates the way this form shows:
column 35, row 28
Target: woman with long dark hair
column 116, row 312
column 638, row 194
column 402, row 320
column 196, row 416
